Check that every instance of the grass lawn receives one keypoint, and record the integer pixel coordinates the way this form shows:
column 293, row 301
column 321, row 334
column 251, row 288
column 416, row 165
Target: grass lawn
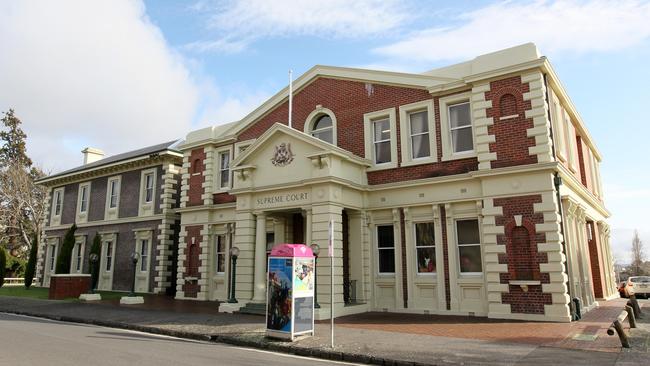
column 21, row 291
column 41, row 293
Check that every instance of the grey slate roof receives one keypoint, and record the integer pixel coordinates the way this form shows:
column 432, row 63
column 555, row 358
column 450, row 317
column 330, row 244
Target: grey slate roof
column 170, row 145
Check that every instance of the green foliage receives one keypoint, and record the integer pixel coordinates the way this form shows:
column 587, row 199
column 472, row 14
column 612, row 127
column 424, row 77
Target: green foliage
column 65, row 254
column 15, row 266
column 96, row 248
column 13, row 138
column 30, row 270
column 3, row 264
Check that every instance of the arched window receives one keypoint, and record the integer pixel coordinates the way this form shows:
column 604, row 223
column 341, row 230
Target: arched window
column 321, row 124
column 196, row 166
column 507, row 105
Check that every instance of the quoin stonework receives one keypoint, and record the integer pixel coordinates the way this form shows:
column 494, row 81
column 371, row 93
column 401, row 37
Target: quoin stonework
column 472, row 189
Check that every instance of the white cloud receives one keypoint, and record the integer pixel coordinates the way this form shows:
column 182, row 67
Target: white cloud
column 240, row 22
column 557, row 26
column 96, row 73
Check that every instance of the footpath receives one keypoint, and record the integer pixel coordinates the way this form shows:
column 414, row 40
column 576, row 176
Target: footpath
column 375, row 338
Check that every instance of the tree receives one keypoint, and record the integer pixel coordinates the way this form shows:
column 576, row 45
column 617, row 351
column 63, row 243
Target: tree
column 14, row 146
column 22, row 202
column 31, row 263
column 638, row 255
column 65, row 254
column 3, row 263
column 96, row 248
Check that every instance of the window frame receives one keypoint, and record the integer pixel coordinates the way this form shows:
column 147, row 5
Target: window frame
column 218, row 254
column 314, row 116
column 405, row 112
column 221, row 169
column 369, row 135
column 446, row 130
column 144, row 254
column 78, row 254
column 54, row 251
column 216, row 168
column 112, row 213
column 458, row 246
column 416, row 247
column 109, row 255
column 379, row 249
column 57, row 202
column 149, row 197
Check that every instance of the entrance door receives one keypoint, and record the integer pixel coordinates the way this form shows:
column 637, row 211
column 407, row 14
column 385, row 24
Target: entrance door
column 346, row 258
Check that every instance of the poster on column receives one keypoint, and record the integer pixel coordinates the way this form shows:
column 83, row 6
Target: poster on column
column 303, row 281
column 279, row 294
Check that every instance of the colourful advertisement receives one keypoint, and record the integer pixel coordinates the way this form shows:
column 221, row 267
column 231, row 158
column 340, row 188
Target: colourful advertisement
column 279, row 294
column 303, row 281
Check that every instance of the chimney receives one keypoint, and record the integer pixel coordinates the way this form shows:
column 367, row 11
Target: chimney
column 91, row 155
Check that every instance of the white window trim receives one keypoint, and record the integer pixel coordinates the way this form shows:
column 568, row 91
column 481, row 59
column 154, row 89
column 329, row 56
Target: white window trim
column 572, row 147
column 558, row 127
column 239, row 145
column 143, row 235
column 51, row 258
column 81, row 242
column 405, row 135
column 217, row 170
column 368, row 120
column 112, row 213
column 147, row 208
column 415, row 247
column 83, row 216
column 445, row 129
column 216, row 253
column 457, row 246
column 56, row 219
column 314, row 116
column 104, row 257
column 376, row 232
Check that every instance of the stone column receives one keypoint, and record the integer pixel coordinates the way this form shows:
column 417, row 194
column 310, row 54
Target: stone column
column 259, row 279
column 308, row 219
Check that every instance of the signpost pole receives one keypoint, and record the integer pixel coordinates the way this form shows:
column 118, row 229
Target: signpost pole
column 331, row 253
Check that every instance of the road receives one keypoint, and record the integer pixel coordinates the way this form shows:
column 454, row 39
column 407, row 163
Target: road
column 34, row 341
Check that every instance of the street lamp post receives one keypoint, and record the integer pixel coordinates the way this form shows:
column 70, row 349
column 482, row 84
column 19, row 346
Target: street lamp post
column 234, row 253
column 94, row 258
column 135, row 257
column 315, row 249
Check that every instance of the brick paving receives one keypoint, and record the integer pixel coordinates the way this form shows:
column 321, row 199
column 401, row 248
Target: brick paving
column 560, row 335
column 377, row 338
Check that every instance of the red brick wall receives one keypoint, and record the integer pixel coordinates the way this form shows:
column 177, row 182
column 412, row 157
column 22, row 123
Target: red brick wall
column 349, row 100
column 522, row 259
column 511, row 141
column 197, row 166
column 192, row 262
column 219, row 198
column 68, row 287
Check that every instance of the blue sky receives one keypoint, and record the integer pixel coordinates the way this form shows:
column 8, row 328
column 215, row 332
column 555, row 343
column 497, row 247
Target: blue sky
column 85, row 73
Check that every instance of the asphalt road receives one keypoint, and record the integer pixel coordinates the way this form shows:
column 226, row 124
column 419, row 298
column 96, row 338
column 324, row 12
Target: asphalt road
column 33, row 341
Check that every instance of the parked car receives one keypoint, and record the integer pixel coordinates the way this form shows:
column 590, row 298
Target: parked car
column 638, row 286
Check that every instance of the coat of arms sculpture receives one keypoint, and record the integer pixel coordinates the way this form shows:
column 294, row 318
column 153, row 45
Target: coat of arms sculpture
column 283, row 155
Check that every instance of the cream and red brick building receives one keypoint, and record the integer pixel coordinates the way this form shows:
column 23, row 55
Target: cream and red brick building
column 471, row 189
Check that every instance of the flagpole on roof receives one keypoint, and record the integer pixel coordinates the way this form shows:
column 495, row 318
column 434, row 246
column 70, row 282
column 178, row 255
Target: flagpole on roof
column 290, row 96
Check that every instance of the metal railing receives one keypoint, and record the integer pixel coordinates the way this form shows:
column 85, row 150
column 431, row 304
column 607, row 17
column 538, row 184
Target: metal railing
column 631, row 312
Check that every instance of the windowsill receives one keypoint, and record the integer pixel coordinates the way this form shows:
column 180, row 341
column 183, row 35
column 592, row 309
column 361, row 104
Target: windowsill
column 384, row 166
column 525, row 283
column 458, row 156
column 420, row 161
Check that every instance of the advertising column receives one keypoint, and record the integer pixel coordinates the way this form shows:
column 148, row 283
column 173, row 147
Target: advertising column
column 290, row 292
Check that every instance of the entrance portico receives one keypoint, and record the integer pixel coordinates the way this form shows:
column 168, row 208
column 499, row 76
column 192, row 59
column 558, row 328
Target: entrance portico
column 303, row 196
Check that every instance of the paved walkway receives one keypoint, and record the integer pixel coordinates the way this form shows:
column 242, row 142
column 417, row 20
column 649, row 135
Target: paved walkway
column 379, row 338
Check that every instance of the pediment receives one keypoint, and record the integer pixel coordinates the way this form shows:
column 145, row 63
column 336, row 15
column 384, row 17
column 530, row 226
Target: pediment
column 283, row 155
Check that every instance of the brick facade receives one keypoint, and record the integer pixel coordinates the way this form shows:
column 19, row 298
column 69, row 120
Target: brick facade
column 192, row 260
column 510, row 123
column 196, row 177
column 521, row 255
